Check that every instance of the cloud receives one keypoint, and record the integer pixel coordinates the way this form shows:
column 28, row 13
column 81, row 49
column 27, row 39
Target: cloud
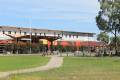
column 51, row 12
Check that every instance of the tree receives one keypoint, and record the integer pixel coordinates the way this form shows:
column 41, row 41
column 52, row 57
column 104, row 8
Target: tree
column 108, row 19
column 112, row 41
column 103, row 37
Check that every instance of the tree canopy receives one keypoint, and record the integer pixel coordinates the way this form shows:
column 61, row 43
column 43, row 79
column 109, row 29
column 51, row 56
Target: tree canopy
column 108, row 18
column 103, row 37
column 112, row 41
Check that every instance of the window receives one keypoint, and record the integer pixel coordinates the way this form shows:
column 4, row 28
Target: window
column 77, row 36
column 54, row 33
column 9, row 32
column 70, row 36
column 35, row 34
column 62, row 35
column 3, row 32
column 15, row 32
column 40, row 34
column 44, row 34
column 58, row 35
column 25, row 33
column 20, row 31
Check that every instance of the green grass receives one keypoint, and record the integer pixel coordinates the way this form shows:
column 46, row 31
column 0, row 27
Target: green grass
column 8, row 63
column 77, row 68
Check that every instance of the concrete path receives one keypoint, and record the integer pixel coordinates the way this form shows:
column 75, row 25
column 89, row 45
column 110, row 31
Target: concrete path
column 54, row 62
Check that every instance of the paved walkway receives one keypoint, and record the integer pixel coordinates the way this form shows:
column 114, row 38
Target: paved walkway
column 54, row 62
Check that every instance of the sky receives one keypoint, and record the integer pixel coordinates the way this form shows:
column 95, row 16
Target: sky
column 70, row 15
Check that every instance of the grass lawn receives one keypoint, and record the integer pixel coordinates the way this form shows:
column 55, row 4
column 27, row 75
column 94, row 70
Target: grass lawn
column 8, row 63
column 78, row 68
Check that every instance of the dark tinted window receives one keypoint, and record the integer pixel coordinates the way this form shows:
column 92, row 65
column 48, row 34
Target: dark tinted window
column 9, row 32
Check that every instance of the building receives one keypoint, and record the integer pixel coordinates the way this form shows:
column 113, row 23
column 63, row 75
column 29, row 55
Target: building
column 10, row 35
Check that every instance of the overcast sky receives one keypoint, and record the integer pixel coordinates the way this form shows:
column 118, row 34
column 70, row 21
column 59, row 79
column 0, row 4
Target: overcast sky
column 71, row 15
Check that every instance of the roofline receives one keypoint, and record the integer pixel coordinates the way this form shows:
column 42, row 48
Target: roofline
column 48, row 29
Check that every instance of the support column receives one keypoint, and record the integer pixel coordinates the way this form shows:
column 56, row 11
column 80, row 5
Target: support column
column 51, row 46
column 16, row 40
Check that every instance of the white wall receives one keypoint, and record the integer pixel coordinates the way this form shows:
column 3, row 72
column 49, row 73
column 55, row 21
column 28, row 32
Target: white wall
column 4, row 37
column 64, row 38
column 80, row 38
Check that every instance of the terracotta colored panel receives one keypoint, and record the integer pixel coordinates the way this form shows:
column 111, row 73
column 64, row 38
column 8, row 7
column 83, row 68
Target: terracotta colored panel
column 64, row 43
column 78, row 43
column 5, row 42
column 55, row 43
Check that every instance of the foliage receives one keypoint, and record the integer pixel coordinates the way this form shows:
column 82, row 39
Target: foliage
column 112, row 41
column 108, row 18
column 24, row 47
column 103, row 37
